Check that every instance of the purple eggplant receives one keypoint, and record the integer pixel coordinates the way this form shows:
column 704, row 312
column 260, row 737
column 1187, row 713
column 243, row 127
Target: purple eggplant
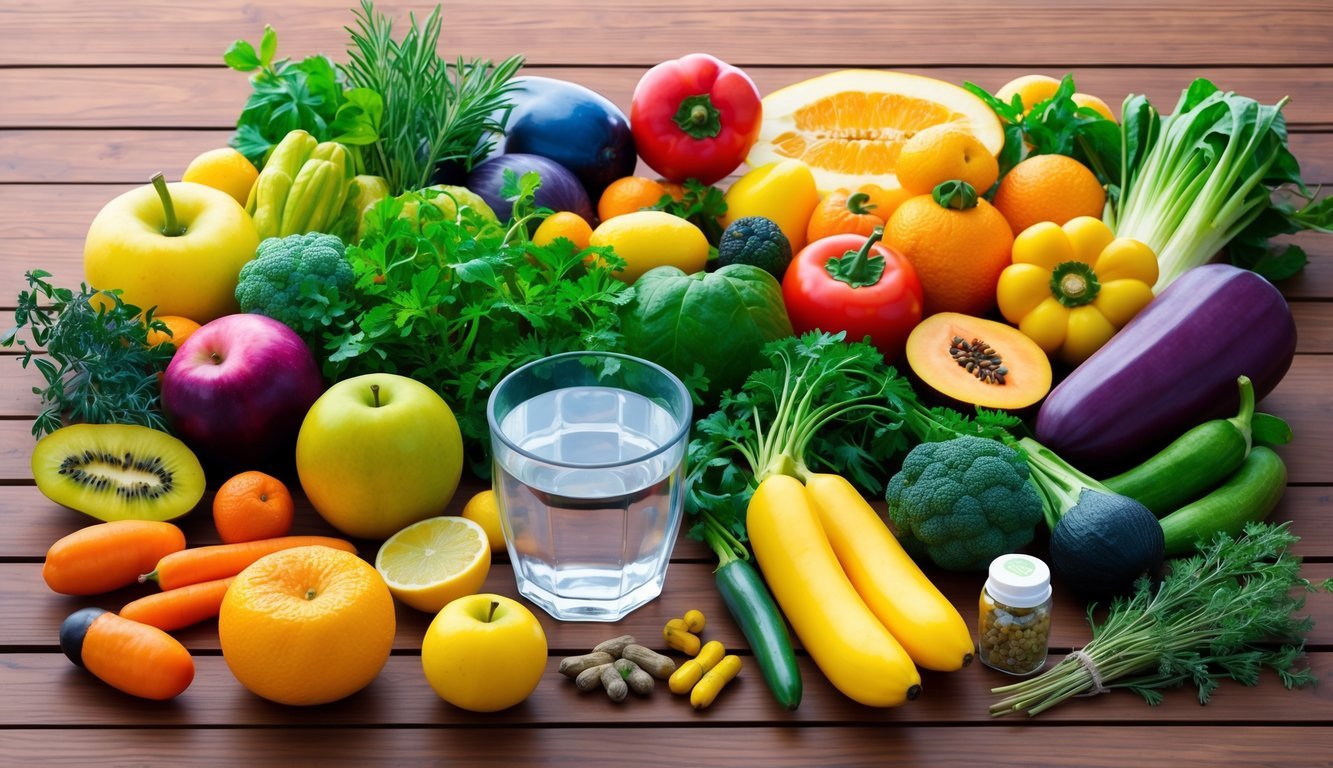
column 1173, row 366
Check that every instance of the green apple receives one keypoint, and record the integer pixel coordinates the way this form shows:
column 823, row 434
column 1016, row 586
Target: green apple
column 484, row 653
column 377, row 453
column 178, row 247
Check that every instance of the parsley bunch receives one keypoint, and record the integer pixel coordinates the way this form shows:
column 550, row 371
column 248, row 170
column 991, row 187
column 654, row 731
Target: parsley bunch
column 457, row 304
column 98, row 367
column 1219, row 614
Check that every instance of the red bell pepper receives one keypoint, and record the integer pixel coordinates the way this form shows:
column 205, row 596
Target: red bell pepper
column 853, row 283
column 695, row 117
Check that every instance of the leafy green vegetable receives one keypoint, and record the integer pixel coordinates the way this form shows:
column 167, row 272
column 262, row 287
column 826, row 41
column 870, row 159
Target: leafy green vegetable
column 1056, row 126
column 434, row 111
column 715, row 322
column 98, row 366
column 1204, row 177
column 1216, row 615
column 963, row 502
column 457, row 304
column 309, row 94
column 702, row 205
column 820, row 404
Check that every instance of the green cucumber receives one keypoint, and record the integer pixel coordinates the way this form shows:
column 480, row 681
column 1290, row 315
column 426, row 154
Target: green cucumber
column 1194, row 463
column 1248, row 496
column 750, row 604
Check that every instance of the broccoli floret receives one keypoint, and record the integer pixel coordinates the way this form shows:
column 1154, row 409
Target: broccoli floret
column 757, row 241
column 296, row 280
column 963, row 502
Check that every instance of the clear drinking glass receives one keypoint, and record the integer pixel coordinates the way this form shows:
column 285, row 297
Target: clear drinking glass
column 589, row 456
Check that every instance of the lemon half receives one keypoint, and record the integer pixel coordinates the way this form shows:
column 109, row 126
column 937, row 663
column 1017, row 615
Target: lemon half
column 434, row 561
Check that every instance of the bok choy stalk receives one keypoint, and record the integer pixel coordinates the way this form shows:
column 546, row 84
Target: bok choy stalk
column 1198, row 179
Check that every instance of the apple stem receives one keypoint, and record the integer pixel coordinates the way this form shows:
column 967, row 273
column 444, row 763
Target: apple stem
column 310, row 593
column 375, row 392
column 491, row 615
column 172, row 227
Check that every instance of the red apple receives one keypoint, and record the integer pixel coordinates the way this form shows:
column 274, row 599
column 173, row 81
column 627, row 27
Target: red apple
column 237, row 389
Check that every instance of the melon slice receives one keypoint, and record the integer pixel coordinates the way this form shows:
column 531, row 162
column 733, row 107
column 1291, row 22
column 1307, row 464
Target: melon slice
column 850, row 125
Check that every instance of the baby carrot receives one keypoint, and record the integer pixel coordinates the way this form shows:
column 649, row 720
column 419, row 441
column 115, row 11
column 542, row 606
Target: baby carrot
column 219, row 561
column 135, row 658
column 180, row 607
column 107, row 556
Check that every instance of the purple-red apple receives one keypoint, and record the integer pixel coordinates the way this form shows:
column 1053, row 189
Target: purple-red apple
column 237, row 389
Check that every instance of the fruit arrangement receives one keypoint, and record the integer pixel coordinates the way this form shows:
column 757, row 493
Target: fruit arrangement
column 333, row 302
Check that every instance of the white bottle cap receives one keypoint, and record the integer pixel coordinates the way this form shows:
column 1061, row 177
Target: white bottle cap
column 1019, row 581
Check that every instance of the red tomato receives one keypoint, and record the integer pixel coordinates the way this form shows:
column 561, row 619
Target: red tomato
column 853, row 283
column 695, row 118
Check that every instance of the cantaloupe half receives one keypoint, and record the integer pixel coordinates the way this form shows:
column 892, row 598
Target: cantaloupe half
column 1025, row 371
column 850, row 125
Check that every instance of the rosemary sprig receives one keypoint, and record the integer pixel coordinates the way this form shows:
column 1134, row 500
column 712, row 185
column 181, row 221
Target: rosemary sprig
column 434, row 111
column 98, row 366
column 1227, row 612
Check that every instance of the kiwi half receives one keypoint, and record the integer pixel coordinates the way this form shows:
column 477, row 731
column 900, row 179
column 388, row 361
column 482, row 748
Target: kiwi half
column 118, row 472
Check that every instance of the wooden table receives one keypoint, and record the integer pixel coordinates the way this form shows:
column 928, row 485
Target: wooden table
column 94, row 97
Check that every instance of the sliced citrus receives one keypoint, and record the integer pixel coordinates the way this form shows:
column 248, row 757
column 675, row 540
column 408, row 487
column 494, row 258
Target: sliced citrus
column 850, row 125
column 432, row 562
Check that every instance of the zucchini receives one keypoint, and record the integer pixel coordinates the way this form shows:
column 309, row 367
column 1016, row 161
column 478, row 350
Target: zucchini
column 1248, row 496
column 750, row 604
column 1195, row 463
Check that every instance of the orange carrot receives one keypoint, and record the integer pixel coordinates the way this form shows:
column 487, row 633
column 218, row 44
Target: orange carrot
column 108, row 556
column 219, row 561
column 135, row 658
column 180, row 607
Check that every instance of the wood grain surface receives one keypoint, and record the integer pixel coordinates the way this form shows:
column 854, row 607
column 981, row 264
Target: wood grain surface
column 96, row 97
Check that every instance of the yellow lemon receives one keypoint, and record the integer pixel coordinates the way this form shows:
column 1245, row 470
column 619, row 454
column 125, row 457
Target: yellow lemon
column 482, row 510
column 431, row 563
column 647, row 239
column 224, row 169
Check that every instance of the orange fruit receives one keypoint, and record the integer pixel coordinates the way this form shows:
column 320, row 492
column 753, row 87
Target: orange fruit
column 627, row 195
column 943, row 153
column 252, row 506
column 181, row 328
column 849, row 126
column 483, row 510
column 1030, row 88
column 566, row 224
column 307, row 625
column 224, row 169
column 1049, row 188
column 958, row 254
column 674, row 188
column 1096, row 104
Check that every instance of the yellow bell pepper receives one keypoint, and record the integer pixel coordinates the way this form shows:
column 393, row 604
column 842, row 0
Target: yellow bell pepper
column 783, row 191
column 1071, row 288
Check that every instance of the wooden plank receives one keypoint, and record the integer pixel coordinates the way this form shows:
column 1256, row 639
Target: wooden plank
column 1314, row 326
column 30, row 614
column 56, row 694
column 603, row 745
column 138, row 97
column 1194, row 32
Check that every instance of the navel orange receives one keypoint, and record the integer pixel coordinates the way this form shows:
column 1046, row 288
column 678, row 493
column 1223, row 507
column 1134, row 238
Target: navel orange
column 1048, row 188
column 849, row 126
column 307, row 625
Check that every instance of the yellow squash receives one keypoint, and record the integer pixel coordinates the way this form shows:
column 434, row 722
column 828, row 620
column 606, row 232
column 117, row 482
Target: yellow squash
column 921, row 619
column 851, row 647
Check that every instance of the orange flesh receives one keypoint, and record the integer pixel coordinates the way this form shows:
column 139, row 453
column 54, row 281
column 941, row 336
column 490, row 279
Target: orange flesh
column 1028, row 379
column 859, row 132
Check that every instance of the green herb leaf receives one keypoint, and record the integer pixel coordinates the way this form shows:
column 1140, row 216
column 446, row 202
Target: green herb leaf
column 241, row 57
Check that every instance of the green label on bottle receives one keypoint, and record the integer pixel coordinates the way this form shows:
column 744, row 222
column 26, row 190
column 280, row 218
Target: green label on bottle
column 1020, row 566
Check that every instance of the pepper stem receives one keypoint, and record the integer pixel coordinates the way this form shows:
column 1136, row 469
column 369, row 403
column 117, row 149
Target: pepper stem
column 697, row 117
column 857, row 204
column 858, row 268
column 1074, row 284
column 171, row 227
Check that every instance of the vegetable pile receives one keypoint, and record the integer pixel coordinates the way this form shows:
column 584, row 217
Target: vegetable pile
column 396, row 232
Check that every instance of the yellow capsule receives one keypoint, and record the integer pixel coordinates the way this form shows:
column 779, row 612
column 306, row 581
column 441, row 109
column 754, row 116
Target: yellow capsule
column 682, row 640
column 713, row 681
column 694, row 621
column 688, row 674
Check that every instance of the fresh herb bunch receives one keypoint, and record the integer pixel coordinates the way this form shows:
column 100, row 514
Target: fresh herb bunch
column 98, row 366
column 457, row 304
column 702, row 205
column 434, row 111
column 310, row 94
column 823, row 402
column 1216, row 615
column 1056, row 126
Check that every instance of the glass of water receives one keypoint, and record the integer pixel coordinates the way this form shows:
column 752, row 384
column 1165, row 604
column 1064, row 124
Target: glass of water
column 589, row 456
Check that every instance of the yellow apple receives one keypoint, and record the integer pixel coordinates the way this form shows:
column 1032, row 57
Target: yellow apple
column 178, row 247
column 377, row 453
column 484, row 653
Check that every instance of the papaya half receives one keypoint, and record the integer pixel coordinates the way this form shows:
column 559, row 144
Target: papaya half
column 980, row 362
